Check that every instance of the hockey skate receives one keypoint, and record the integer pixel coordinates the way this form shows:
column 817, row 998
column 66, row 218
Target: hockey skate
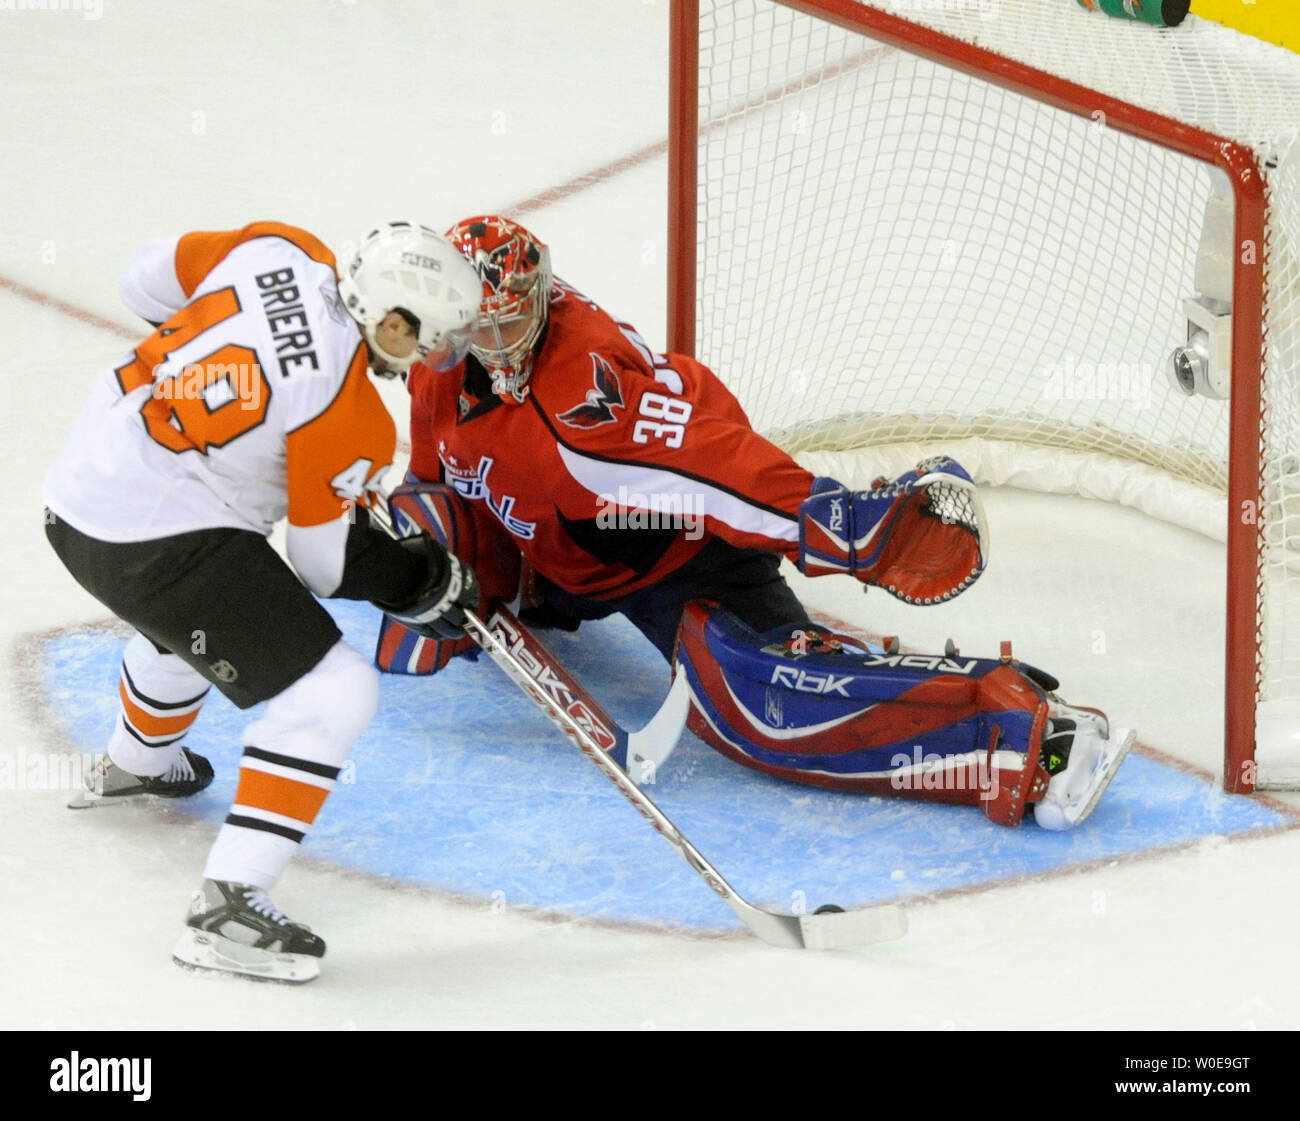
column 107, row 781
column 235, row 928
column 1081, row 754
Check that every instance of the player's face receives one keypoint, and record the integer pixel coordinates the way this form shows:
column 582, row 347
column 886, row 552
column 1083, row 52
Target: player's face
column 394, row 334
column 502, row 333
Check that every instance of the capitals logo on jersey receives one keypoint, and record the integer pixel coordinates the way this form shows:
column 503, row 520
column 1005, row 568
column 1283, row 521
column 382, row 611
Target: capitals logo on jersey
column 600, row 403
column 472, row 483
column 464, row 480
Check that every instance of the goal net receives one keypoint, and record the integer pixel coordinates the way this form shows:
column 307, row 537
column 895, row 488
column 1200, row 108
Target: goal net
column 984, row 227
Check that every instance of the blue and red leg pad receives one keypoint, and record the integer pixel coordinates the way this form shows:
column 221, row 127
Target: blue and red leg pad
column 934, row 727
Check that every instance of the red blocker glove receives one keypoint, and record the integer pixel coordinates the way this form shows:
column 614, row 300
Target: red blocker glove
column 923, row 537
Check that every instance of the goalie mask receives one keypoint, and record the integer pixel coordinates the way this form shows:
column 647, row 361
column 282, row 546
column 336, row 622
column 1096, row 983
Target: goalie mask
column 413, row 296
column 515, row 270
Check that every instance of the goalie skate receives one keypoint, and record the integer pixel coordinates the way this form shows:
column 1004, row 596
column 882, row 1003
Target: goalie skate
column 1088, row 753
column 235, row 928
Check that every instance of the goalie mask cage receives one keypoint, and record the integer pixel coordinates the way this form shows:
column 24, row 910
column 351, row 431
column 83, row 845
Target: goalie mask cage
column 983, row 227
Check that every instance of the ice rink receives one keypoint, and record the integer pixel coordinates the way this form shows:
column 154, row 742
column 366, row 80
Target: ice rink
column 478, row 873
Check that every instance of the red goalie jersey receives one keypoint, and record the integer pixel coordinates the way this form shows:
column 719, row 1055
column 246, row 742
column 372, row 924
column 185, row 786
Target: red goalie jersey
column 618, row 465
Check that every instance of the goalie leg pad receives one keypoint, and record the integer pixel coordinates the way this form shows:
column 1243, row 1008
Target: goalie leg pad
column 475, row 537
column 936, row 728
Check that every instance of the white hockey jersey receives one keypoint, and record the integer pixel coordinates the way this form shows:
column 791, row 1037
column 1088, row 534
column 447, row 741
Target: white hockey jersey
column 251, row 400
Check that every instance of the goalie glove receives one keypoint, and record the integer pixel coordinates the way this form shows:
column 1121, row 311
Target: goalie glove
column 450, row 589
column 922, row 537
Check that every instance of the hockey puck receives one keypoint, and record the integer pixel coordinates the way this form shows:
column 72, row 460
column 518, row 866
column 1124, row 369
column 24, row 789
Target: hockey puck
column 829, row 909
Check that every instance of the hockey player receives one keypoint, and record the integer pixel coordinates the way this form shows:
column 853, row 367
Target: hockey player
column 251, row 401
column 632, row 482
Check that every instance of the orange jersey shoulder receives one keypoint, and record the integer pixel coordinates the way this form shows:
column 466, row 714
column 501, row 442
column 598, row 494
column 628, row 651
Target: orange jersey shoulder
column 197, row 254
column 337, row 459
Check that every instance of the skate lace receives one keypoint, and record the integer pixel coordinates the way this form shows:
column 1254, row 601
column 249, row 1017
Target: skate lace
column 259, row 902
column 180, row 770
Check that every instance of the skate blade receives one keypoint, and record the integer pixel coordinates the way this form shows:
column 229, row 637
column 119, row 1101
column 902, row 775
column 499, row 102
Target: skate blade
column 211, row 953
column 1123, row 739
column 1059, row 818
column 86, row 799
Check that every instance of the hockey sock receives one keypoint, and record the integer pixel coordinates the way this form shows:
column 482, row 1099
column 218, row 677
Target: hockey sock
column 161, row 698
column 292, row 759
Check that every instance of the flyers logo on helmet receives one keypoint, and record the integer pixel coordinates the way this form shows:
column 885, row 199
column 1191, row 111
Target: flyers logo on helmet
column 599, row 406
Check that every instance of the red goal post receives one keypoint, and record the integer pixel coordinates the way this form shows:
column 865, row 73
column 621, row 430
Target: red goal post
column 1002, row 83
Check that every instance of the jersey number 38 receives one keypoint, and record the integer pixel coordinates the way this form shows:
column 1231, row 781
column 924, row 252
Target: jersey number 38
column 663, row 418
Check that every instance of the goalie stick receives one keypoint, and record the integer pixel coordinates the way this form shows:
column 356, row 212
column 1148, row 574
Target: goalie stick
column 542, row 678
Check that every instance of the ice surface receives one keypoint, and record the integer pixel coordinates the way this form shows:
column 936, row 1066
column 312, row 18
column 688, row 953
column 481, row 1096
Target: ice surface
column 158, row 118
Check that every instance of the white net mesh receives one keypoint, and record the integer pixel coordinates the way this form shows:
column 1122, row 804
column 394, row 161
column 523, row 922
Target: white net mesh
column 893, row 252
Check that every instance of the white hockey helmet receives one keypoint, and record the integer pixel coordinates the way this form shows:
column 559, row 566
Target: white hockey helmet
column 410, row 269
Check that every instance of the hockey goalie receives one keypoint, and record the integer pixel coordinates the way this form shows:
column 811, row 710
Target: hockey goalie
column 561, row 430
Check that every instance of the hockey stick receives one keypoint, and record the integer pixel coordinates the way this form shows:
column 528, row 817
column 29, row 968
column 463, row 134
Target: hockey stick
column 536, row 671
column 639, row 753
column 824, row 930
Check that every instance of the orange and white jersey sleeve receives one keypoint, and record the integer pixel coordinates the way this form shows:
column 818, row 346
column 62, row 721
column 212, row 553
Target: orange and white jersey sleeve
column 337, row 458
column 149, row 286
column 233, row 412
column 336, row 461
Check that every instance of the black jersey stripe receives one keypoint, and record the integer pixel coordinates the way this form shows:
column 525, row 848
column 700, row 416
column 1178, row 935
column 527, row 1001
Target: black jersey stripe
column 151, row 743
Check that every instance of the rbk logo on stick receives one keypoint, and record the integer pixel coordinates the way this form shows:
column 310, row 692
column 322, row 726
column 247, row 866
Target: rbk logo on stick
column 601, row 402
column 565, row 693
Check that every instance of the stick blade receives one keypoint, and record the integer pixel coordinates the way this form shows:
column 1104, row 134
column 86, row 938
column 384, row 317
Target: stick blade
column 649, row 748
column 842, row 930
